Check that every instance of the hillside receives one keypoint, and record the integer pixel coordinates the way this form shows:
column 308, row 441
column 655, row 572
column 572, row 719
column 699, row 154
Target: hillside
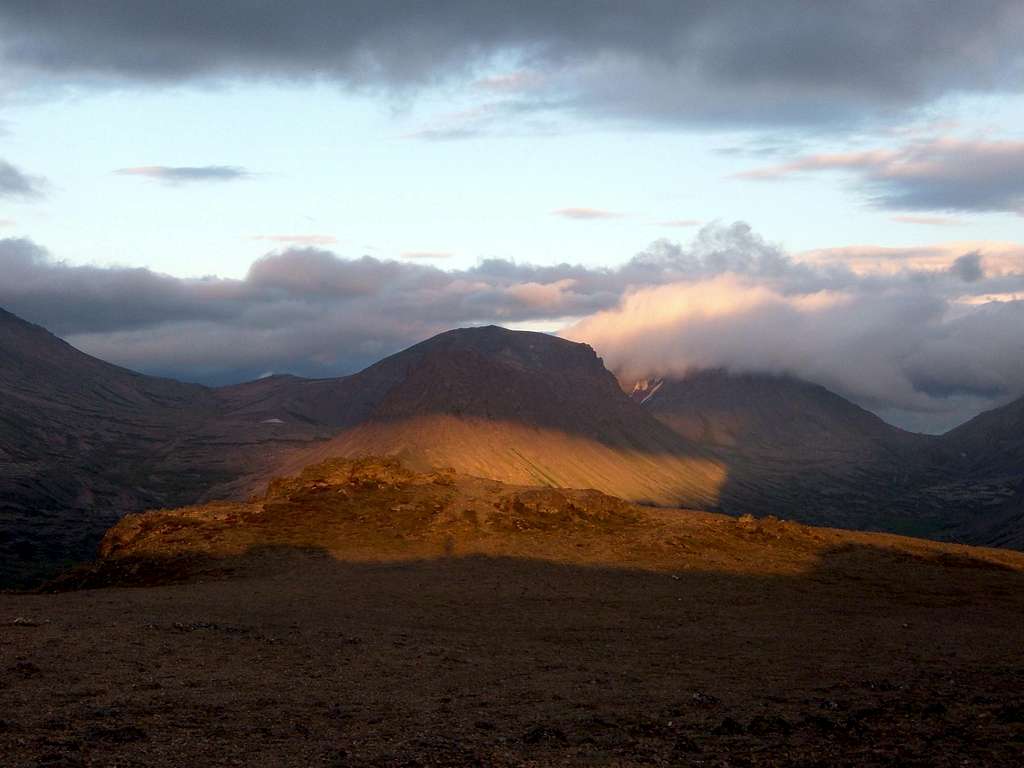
column 364, row 614
column 524, row 408
column 797, row 450
column 82, row 442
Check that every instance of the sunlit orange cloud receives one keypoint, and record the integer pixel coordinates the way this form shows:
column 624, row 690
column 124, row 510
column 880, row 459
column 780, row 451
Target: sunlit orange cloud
column 999, row 258
column 647, row 313
column 299, row 239
column 819, row 163
column 541, row 295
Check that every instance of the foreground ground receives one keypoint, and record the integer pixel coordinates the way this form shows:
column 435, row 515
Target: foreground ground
column 366, row 616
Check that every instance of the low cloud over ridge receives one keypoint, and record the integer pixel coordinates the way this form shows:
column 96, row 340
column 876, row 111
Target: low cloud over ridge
column 912, row 334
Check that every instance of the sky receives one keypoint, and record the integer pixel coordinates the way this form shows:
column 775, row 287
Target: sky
column 220, row 190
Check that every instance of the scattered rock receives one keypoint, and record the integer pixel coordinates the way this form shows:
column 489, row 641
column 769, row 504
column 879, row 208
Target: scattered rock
column 704, row 700
column 765, row 725
column 728, row 727
column 542, row 733
column 26, row 669
column 685, row 745
column 819, row 723
column 1011, row 713
column 934, row 708
column 121, row 735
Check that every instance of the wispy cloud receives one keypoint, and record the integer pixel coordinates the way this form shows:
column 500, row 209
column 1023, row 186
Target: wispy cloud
column 936, row 175
column 298, row 239
column 510, row 82
column 187, row 174
column 587, row 214
column 7, row 222
column 16, row 184
column 929, row 221
column 680, row 223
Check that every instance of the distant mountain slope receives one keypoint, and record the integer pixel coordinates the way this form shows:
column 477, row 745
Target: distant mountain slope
column 82, row 442
column 992, row 443
column 800, row 451
column 985, row 458
column 525, row 408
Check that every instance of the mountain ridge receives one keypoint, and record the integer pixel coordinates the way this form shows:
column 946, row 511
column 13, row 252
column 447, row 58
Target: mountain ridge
column 82, row 441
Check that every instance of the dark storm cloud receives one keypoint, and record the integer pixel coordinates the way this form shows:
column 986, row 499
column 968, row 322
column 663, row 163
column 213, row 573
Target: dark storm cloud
column 187, row 174
column 939, row 175
column 698, row 61
column 16, row 184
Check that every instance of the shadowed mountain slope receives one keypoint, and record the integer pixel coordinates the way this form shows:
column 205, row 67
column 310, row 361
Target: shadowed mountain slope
column 797, row 450
column 82, row 442
column 524, row 408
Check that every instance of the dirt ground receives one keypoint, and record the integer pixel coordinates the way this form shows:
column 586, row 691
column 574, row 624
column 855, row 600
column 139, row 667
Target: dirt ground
column 869, row 651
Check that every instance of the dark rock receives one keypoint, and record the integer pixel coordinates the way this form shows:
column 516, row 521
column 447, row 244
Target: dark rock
column 26, row 669
column 765, row 725
column 685, row 745
column 121, row 735
column 704, row 700
column 1011, row 713
column 934, row 708
column 542, row 733
column 728, row 727
column 819, row 723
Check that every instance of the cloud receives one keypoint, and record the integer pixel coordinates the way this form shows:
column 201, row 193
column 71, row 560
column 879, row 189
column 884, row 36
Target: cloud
column 699, row 62
column 16, row 184
column 936, row 175
column 968, row 267
column 1000, row 258
column 929, row 221
column 586, row 214
column 427, row 255
column 680, row 223
column 187, row 174
column 925, row 336
column 298, row 239
column 7, row 222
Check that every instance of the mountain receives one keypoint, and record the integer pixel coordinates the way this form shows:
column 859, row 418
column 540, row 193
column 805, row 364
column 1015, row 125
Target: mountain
column 82, row 442
column 519, row 407
column 986, row 461
column 796, row 449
